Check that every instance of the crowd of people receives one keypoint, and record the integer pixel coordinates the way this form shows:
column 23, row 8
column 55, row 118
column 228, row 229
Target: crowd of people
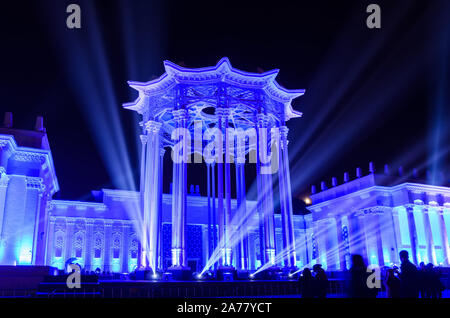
column 408, row 281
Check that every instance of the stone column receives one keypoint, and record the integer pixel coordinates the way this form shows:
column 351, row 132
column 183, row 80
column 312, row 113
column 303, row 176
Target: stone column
column 412, row 231
column 228, row 215
column 69, row 235
column 89, row 240
column 260, row 203
column 392, row 220
column 353, row 234
column 224, row 211
column 242, row 215
column 428, row 235
column 340, row 243
column 50, row 248
column 213, row 208
column 286, row 199
column 160, row 253
column 205, row 245
column 108, row 244
column 4, row 180
column 142, row 234
column 220, row 207
column 251, row 249
column 380, row 252
column 151, row 194
column 363, row 236
column 265, row 189
column 357, row 237
column 321, row 238
column 125, row 246
column 179, row 257
column 209, row 229
column 444, row 234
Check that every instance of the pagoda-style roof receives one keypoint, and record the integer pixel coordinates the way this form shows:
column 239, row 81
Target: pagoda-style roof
column 200, row 84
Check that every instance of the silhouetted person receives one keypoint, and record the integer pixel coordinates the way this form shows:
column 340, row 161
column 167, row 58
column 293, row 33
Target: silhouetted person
column 320, row 281
column 439, row 285
column 409, row 277
column 433, row 286
column 393, row 284
column 307, row 286
column 357, row 285
column 422, row 280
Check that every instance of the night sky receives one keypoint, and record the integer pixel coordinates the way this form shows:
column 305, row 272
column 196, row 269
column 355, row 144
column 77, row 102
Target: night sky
column 371, row 95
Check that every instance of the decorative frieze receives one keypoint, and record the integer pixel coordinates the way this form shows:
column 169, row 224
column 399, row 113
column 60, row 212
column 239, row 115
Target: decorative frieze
column 374, row 210
column 35, row 183
column 26, row 156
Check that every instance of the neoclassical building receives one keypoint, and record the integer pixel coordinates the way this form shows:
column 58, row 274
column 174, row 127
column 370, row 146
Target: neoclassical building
column 373, row 215
column 181, row 230
column 36, row 229
column 377, row 216
column 367, row 215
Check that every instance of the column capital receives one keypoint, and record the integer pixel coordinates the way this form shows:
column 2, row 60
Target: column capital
column 262, row 120
column 153, row 126
column 284, row 131
column 143, row 139
column 180, row 114
column 223, row 111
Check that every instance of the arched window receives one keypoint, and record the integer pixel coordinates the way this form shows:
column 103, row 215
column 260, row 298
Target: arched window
column 346, row 242
column 314, row 246
column 78, row 246
column 98, row 246
column 134, row 248
column 59, row 243
column 116, row 246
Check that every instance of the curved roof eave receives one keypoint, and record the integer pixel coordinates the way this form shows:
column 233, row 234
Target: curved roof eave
column 222, row 71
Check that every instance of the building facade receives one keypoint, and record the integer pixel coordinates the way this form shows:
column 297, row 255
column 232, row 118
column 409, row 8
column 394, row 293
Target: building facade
column 377, row 216
column 215, row 113
column 367, row 216
column 36, row 229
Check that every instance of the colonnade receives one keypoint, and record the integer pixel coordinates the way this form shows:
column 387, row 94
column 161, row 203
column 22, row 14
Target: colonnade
column 218, row 173
column 378, row 233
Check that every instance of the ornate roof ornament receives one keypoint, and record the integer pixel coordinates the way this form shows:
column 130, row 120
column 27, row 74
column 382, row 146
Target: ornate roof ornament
column 201, row 84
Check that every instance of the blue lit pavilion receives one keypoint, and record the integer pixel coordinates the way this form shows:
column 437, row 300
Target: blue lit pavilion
column 375, row 214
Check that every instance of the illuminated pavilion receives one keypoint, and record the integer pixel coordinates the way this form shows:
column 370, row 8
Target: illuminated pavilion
column 375, row 215
column 201, row 100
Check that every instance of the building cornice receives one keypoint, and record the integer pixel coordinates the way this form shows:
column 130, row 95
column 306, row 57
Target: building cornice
column 42, row 156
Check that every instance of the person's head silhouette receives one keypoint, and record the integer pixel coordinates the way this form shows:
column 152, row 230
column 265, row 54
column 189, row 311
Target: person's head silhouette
column 316, row 268
column 358, row 261
column 404, row 256
column 307, row 273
